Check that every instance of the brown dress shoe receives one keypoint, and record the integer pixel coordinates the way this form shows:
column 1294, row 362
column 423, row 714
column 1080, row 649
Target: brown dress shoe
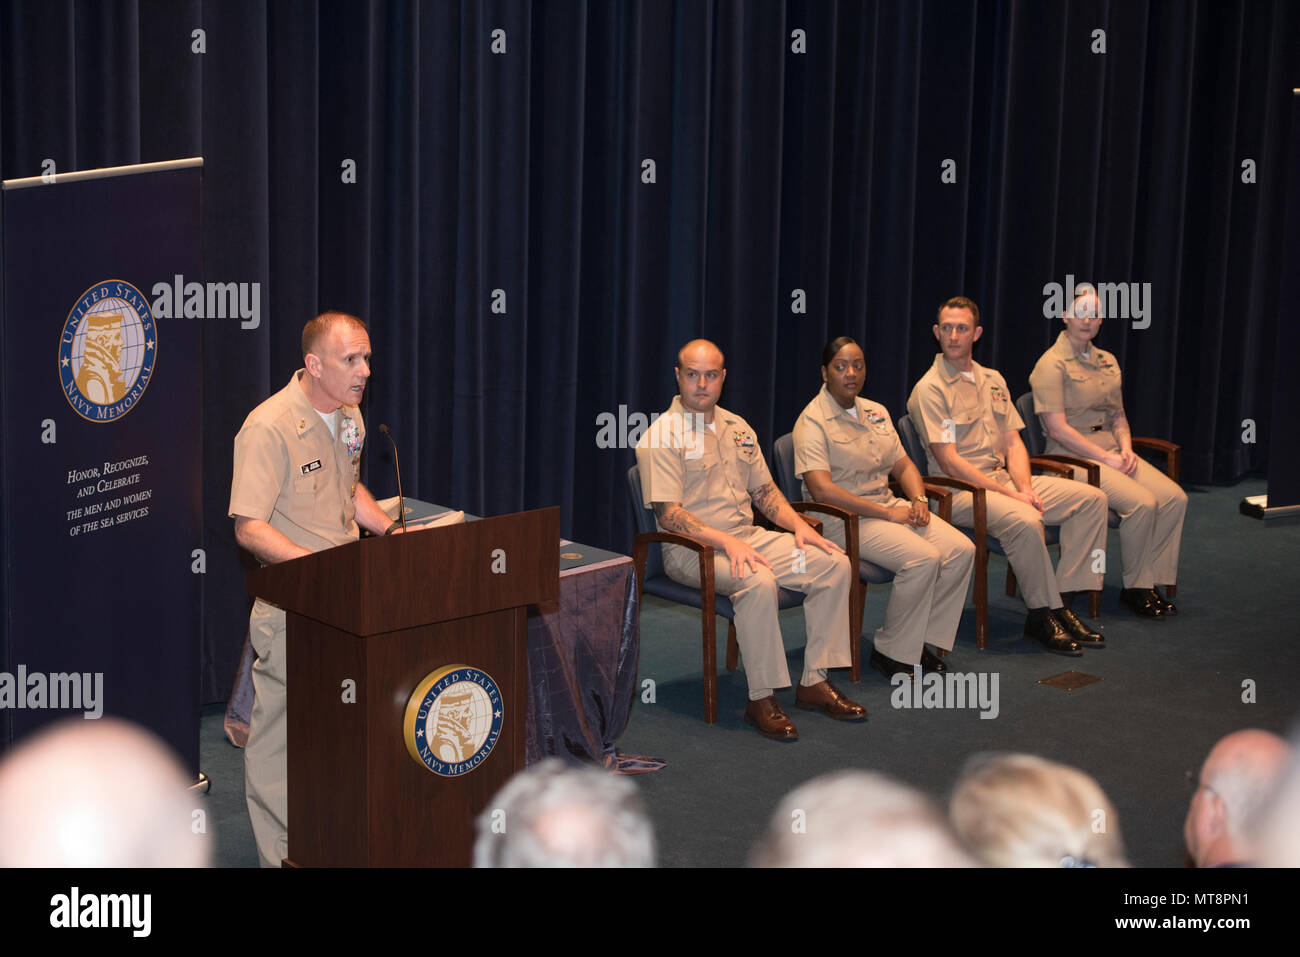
column 824, row 697
column 766, row 715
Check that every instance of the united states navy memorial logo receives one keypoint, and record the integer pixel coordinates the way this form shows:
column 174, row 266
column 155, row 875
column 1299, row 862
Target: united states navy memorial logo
column 453, row 720
column 107, row 350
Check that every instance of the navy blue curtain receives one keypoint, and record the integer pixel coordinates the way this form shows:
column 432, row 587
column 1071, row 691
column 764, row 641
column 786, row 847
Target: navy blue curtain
column 541, row 215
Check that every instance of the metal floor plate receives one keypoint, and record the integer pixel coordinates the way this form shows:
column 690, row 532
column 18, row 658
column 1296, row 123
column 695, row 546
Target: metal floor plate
column 1068, row 680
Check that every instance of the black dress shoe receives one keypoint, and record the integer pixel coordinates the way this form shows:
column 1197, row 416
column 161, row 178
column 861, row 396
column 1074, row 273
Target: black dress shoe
column 1142, row 601
column 932, row 663
column 1168, row 607
column 887, row 666
column 1077, row 629
column 1047, row 631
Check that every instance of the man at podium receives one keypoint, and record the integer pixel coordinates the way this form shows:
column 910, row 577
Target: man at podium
column 295, row 491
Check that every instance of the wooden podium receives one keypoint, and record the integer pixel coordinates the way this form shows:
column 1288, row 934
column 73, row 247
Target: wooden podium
column 383, row 613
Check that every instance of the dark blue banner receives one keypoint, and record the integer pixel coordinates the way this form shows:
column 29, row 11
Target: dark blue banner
column 102, row 441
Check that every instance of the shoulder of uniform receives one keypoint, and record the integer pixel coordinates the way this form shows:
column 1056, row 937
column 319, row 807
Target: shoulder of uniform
column 1048, row 368
column 663, row 433
column 933, row 378
column 811, row 410
column 929, row 385
column 264, row 429
column 267, row 414
column 1049, row 359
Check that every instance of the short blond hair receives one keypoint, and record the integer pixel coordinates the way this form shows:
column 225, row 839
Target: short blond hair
column 858, row 819
column 1019, row 810
column 316, row 329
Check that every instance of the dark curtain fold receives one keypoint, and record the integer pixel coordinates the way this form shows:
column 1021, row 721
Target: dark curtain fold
column 532, row 233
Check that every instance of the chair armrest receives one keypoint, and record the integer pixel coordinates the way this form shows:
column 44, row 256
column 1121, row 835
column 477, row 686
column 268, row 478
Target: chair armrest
column 672, row 538
column 979, row 509
column 947, row 481
column 834, row 511
column 1172, row 451
column 1092, row 468
column 942, row 498
column 1041, row 464
column 641, row 545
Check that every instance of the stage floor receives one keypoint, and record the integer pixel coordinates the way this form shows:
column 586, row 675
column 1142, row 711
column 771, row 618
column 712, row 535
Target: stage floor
column 1169, row 689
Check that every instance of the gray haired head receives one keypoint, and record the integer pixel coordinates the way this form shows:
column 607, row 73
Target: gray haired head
column 554, row 815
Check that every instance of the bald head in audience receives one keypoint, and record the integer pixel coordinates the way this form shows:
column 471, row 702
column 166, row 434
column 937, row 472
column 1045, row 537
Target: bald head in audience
column 1019, row 810
column 554, row 815
column 1238, row 778
column 1277, row 830
column 857, row 819
column 101, row 793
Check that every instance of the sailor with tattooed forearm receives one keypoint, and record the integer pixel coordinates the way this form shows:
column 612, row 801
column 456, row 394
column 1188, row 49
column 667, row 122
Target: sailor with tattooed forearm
column 703, row 474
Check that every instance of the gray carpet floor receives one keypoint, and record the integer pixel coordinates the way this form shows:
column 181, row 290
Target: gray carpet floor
column 1169, row 690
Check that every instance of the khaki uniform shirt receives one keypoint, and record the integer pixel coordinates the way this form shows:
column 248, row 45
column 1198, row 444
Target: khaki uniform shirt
column 859, row 453
column 290, row 472
column 945, row 406
column 682, row 460
column 1086, row 390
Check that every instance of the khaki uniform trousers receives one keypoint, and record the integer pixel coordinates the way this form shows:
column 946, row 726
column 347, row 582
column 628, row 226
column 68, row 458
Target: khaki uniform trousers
column 1077, row 507
column 932, row 568
column 266, row 767
column 824, row 579
column 1151, row 510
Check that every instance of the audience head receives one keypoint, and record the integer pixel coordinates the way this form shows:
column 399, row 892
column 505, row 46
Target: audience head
column 101, row 793
column 554, row 815
column 1238, row 778
column 1018, row 810
column 1276, row 835
column 857, row 819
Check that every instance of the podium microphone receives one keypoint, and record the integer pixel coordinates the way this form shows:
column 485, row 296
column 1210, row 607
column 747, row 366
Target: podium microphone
column 401, row 507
